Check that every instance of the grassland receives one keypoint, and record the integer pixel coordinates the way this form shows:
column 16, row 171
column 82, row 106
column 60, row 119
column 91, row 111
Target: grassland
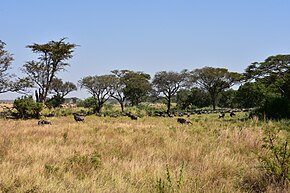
column 151, row 154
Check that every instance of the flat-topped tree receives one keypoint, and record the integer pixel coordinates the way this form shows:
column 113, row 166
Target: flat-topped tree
column 273, row 72
column 169, row 83
column 51, row 61
column 214, row 81
column 5, row 63
column 100, row 87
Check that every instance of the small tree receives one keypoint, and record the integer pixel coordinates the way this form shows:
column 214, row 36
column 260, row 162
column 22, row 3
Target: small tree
column 5, row 63
column 60, row 89
column 119, row 86
column 168, row 83
column 214, row 81
column 137, row 86
column 51, row 61
column 250, row 94
column 100, row 87
column 27, row 107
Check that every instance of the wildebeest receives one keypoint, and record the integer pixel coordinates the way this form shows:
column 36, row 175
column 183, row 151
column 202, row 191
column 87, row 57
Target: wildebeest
column 50, row 115
column 183, row 121
column 232, row 114
column 133, row 117
column 44, row 122
column 78, row 118
column 221, row 115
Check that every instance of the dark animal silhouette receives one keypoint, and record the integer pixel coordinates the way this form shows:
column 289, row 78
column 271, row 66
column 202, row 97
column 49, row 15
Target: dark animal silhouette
column 44, row 122
column 232, row 114
column 50, row 115
column 133, row 117
column 78, row 118
column 222, row 115
column 183, row 121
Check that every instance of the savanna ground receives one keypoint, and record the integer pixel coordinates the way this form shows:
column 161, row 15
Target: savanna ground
column 152, row 154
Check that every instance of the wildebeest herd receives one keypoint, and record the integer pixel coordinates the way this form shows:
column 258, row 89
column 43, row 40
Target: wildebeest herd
column 78, row 116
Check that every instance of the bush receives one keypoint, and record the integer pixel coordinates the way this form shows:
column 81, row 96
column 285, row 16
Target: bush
column 55, row 101
column 276, row 161
column 274, row 108
column 27, row 108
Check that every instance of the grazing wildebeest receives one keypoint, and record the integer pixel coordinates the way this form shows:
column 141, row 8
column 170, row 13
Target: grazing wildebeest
column 50, row 115
column 78, row 118
column 222, row 115
column 232, row 114
column 133, row 117
column 98, row 114
column 44, row 122
column 183, row 121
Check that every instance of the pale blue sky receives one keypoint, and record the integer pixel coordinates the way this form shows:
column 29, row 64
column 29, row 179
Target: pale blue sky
column 148, row 35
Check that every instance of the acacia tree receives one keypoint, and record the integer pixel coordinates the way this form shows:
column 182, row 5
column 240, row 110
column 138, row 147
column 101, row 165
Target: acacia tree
column 272, row 76
column 168, row 83
column 51, row 61
column 274, row 72
column 137, row 86
column 214, row 81
column 119, row 86
column 5, row 63
column 100, row 87
column 60, row 89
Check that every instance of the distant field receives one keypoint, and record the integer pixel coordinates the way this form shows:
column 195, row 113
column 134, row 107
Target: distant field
column 151, row 154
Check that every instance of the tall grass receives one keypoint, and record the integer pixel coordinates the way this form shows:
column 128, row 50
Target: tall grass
column 120, row 155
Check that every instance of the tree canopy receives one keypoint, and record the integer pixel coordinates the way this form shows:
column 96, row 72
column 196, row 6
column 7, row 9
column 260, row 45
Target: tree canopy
column 100, row 87
column 137, row 86
column 51, row 61
column 5, row 63
column 168, row 83
column 215, row 80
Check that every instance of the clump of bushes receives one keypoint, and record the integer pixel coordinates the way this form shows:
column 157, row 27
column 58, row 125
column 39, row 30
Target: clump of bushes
column 274, row 108
column 276, row 161
column 27, row 108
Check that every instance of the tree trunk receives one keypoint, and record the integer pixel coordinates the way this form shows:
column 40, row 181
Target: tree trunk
column 213, row 100
column 168, row 104
column 122, row 106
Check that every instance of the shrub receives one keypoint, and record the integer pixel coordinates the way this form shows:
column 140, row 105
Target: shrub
column 27, row 108
column 274, row 108
column 55, row 101
column 170, row 183
column 276, row 161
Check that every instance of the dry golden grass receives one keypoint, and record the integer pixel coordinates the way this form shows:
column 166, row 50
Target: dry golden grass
column 120, row 155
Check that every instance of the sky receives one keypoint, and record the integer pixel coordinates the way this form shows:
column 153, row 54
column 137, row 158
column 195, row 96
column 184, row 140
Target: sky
column 147, row 35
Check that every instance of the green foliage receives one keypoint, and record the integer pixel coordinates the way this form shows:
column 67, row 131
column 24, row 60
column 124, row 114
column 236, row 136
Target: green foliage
column 215, row 80
column 51, row 61
column 274, row 108
column 100, row 87
column 27, row 108
column 55, row 101
column 227, row 99
column 276, row 161
column 273, row 72
column 5, row 63
column 250, row 95
column 193, row 98
column 169, row 83
column 137, row 86
column 170, row 183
